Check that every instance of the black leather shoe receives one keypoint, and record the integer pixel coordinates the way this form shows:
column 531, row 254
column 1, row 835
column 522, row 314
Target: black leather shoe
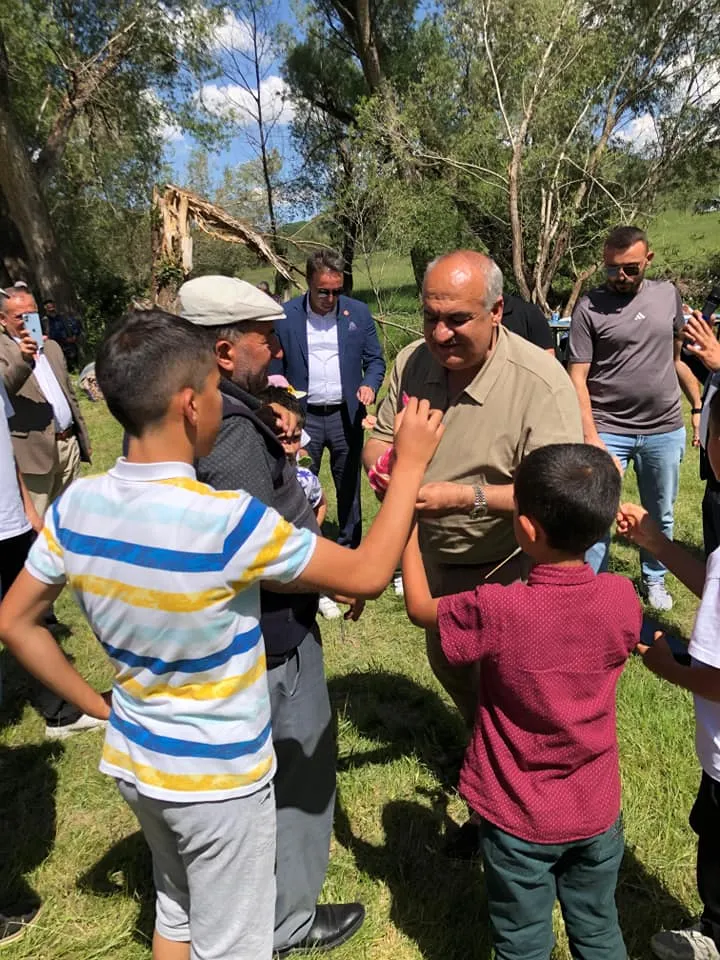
column 333, row 925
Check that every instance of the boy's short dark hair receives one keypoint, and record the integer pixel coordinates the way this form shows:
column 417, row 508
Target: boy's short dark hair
column 623, row 237
column 572, row 490
column 284, row 398
column 144, row 360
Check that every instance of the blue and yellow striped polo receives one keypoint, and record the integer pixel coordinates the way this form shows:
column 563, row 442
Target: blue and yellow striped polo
column 167, row 572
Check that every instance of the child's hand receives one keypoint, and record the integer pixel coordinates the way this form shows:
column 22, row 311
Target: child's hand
column 658, row 657
column 635, row 523
column 417, row 434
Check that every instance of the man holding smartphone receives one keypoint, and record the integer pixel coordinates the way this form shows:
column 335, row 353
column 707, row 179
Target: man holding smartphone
column 48, row 431
column 625, row 342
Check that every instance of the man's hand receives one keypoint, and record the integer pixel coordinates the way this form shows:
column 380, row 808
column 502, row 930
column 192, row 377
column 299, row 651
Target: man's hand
column 635, row 523
column 658, row 657
column 283, row 421
column 702, row 341
column 28, row 347
column 418, row 431
column 366, row 396
column 440, row 499
column 355, row 606
column 595, row 441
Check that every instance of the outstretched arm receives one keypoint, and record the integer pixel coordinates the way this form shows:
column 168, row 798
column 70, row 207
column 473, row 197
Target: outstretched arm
column 635, row 523
column 366, row 571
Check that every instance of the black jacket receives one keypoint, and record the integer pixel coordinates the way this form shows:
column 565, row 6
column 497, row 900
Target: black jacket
column 248, row 456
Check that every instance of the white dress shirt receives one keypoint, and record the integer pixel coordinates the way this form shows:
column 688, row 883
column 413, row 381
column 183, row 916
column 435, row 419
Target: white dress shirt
column 13, row 521
column 53, row 393
column 324, row 383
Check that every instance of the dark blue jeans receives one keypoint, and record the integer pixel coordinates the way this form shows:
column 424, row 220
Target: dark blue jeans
column 524, row 879
column 344, row 440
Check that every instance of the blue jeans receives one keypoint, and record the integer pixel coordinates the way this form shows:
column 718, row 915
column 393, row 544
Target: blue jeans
column 656, row 458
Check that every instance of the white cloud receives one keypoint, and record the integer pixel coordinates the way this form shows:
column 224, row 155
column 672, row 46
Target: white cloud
column 233, row 34
column 639, row 132
column 166, row 129
column 234, row 103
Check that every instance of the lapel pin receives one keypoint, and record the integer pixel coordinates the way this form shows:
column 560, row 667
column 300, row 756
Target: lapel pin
column 346, row 313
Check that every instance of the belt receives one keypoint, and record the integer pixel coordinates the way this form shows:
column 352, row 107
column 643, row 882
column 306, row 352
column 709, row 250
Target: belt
column 65, row 434
column 324, row 408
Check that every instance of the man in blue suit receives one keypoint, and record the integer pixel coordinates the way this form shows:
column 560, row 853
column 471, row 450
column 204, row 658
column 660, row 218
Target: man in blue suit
column 331, row 350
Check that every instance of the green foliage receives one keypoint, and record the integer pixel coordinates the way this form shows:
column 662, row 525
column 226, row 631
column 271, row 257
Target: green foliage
column 132, row 69
column 527, row 128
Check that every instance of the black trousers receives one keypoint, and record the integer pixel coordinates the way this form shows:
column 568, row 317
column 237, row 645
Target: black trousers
column 711, row 517
column 49, row 705
column 705, row 821
column 344, row 439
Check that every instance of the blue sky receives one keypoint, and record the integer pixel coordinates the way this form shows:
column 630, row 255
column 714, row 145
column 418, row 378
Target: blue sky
column 224, row 96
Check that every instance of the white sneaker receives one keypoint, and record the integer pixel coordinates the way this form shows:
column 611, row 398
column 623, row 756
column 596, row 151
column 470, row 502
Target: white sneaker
column 329, row 609
column 398, row 585
column 83, row 722
column 657, row 595
column 690, row 944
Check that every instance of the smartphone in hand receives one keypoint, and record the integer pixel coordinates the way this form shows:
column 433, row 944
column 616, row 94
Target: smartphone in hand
column 34, row 328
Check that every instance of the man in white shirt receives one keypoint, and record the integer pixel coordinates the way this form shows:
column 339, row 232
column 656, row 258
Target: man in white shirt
column 49, row 434
column 19, row 522
column 332, row 352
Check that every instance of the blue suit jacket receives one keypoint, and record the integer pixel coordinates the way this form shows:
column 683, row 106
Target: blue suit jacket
column 361, row 357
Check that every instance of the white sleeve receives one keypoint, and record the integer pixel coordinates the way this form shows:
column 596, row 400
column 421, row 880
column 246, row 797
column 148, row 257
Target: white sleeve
column 705, row 642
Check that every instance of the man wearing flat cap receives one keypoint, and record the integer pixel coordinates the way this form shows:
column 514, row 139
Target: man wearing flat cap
column 247, row 455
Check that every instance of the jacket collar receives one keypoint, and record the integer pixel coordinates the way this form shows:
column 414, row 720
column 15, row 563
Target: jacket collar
column 230, row 389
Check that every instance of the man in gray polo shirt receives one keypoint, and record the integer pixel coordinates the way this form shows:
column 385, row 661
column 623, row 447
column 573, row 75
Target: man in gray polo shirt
column 625, row 342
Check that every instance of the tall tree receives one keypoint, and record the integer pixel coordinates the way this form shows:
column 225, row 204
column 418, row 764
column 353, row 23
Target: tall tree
column 81, row 79
column 348, row 51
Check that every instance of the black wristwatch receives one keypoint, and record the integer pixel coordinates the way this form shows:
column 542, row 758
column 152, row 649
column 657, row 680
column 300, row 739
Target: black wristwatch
column 696, row 410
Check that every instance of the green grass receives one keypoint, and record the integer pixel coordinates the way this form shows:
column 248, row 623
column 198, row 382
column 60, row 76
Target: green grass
column 67, row 834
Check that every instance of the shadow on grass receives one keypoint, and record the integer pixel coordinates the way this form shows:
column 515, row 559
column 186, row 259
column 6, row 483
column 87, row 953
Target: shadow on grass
column 645, row 905
column 28, row 780
column 448, row 919
column 19, row 688
column 126, row 870
column 439, row 903
column 408, row 719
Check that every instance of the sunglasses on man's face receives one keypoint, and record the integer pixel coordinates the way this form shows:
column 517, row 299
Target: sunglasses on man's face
column 329, row 291
column 628, row 269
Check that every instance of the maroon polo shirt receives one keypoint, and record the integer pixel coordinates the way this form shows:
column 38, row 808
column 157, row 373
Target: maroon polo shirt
column 542, row 763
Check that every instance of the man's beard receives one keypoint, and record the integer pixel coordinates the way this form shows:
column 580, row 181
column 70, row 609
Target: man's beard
column 626, row 287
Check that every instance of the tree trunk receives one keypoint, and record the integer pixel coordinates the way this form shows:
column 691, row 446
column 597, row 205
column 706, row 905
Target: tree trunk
column 14, row 264
column 350, row 227
column 27, row 207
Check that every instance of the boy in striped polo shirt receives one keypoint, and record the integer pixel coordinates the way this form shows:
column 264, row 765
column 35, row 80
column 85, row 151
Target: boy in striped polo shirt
column 167, row 571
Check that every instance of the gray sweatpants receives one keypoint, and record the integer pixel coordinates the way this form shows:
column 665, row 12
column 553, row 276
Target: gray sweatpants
column 304, row 786
column 213, row 867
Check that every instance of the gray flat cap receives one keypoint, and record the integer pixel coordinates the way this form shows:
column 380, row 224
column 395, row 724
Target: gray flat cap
column 220, row 301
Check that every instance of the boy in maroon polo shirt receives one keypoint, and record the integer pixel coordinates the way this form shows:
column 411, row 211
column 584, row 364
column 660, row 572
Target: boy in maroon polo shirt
column 541, row 772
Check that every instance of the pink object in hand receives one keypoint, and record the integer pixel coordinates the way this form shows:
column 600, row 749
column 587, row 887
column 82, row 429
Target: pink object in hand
column 379, row 474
